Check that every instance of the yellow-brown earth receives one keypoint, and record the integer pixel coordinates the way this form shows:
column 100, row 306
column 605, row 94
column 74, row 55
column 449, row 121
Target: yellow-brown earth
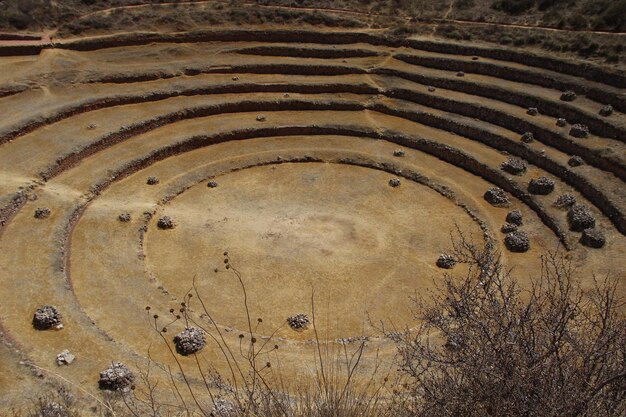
column 303, row 203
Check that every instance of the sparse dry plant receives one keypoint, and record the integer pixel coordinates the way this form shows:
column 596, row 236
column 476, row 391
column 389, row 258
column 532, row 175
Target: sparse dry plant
column 487, row 346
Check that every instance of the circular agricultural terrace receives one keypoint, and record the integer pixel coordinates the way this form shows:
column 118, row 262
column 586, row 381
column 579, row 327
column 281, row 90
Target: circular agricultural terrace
column 332, row 165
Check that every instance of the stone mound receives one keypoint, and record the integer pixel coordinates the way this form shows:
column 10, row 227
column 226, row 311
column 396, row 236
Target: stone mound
column 532, row 111
column 541, row 186
column 508, row 228
column 561, row 122
column 606, row 111
column 446, row 261
column 565, row 201
column 394, row 182
column 124, row 217
column 299, row 321
column 515, row 217
column 42, row 212
column 580, row 218
column 497, row 197
column 528, row 137
column 593, row 238
column 568, row 95
column 165, row 223
column 575, row 161
column 117, row 377
column 47, row 317
column 579, row 131
column 190, row 340
column 514, row 166
column 152, row 181
column 517, row 241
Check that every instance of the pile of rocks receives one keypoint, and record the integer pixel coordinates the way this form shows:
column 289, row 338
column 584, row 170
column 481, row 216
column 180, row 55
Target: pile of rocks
column 606, row 111
column 190, row 340
column 212, row 184
column 165, row 223
column 508, row 228
column 514, row 166
column 568, row 95
column 565, row 201
column 261, row 118
column 394, row 182
column 152, row 181
column 124, row 217
column 116, row 378
column 497, row 197
column 575, row 161
column 460, row 74
column 580, row 218
column 446, row 261
column 299, row 321
column 517, row 241
column 541, row 186
column 398, row 152
column 561, row 122
column 42, row 212
column 47, row 317
column 528, row 137
column 532, row 111
column 593, row 238
column 515, row 217
column 579, row 131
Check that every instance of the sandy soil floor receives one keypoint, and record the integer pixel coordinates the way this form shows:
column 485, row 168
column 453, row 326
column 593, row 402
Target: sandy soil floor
column 303, row 203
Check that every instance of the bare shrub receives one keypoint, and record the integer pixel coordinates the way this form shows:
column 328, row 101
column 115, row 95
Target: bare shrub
column 487, row 347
